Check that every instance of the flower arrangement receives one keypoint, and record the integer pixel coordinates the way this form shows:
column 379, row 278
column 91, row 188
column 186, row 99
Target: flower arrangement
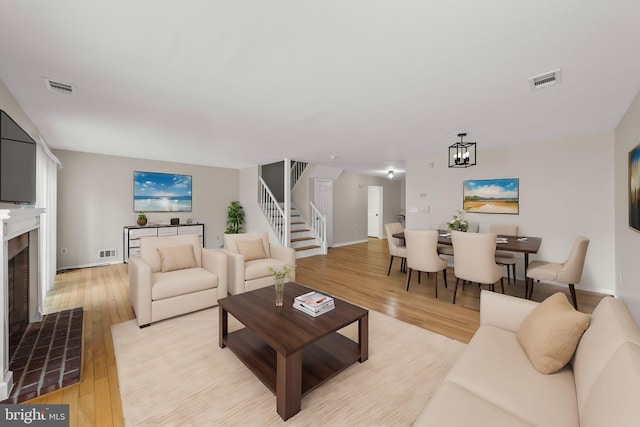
column 458, row 222
column 142, row 218
column 282, row 273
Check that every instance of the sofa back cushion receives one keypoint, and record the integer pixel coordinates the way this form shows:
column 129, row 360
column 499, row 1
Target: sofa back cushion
column 176, row 258
column 606, row 366
column 149, row 248
column 231, row 239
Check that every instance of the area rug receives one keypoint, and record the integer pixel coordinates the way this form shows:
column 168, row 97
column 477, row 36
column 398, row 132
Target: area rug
column 174, row 373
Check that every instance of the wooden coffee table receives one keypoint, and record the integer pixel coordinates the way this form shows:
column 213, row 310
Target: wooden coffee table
column 290, row 351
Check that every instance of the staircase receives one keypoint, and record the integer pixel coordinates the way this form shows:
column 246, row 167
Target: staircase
column 303, row 239
column 292, row 231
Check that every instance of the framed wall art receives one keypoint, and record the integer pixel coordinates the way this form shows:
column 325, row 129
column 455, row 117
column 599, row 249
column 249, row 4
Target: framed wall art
column 161, row 192
column 634, row 188
column 496, row 196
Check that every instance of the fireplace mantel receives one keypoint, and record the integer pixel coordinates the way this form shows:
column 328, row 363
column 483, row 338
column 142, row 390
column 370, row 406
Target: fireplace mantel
column 14, row 223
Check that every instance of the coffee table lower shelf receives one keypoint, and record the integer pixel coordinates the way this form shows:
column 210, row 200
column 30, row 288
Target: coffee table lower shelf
column 320, row 361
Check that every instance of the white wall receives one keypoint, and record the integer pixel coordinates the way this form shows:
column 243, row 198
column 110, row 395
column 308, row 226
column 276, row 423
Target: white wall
column 627, row 136
column 350, row 194
column 566, row 190
column 95, row 202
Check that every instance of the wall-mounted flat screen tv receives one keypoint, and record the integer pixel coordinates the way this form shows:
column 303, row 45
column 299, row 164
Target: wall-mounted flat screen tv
column 17, row 163
column 161, row 192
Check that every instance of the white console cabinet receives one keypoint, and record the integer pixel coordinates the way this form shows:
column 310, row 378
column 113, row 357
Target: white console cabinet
column 132, row 235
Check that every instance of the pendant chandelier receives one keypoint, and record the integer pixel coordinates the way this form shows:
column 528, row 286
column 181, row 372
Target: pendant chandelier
column 462, row 154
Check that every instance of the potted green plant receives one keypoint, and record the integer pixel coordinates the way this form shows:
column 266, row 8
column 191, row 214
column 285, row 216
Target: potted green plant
column 235, row 218
column 142, row 218
column 458, row 222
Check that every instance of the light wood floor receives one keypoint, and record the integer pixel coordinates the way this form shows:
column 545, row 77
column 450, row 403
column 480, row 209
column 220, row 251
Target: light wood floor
column 357, row 273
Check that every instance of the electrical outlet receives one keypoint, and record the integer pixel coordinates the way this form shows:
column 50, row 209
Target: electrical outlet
column 63, row 251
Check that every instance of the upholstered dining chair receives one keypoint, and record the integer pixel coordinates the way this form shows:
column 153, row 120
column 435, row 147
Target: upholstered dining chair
column 422, row 255
column 396, row 246
column 448, row 249
column 569, row 272
column 506, row 258
column 475, row 259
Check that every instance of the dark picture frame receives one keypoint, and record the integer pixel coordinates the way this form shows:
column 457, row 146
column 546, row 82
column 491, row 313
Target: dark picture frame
column 162, row 192
column 493, row 196
column 634, row 188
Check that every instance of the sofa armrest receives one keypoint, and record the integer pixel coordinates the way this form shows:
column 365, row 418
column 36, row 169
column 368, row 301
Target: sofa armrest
column 140, row 289
column 215, row 261
column 287, row 255
column 235, row 272
column 504, row 311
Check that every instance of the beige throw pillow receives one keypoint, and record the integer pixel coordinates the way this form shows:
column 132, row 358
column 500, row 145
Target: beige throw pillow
column 177, row 258
column 551, row 332
column 251, row 249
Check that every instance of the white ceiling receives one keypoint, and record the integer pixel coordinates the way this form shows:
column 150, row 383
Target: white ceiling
column 245, row 82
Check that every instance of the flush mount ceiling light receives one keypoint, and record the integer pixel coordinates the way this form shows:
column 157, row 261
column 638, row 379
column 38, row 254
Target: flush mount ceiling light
column 462, row 154
column 390, row 174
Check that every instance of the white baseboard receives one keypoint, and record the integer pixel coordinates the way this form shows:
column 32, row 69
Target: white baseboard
column 98, row 264
column 336, row 245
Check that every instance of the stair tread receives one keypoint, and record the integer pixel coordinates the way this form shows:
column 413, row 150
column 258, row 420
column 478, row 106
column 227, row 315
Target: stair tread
column 301, row 239
column 307, row 247
column 300, row 231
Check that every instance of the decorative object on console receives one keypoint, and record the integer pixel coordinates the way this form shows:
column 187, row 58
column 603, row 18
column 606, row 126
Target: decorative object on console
column 235, row 218
column 462, row 154
column 161, row 192
column 499, row 196
column 634, row 188
column 458, row 222
column 142, row 219
column 175, row 221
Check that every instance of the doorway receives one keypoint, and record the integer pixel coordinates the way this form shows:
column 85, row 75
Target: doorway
column 323, row 199
column 374, row 212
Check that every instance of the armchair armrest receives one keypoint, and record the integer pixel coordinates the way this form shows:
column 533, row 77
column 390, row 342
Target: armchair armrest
column 287, row 255
column 140, row 289
column 235, row 272
column 215, row 261
column 504, row 311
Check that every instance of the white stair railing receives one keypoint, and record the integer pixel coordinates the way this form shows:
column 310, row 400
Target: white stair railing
column 273, row 212
column 319, row 227
column 296, row 170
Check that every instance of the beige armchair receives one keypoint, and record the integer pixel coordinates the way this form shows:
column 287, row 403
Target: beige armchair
column 422, row 255
column 475, row 259
column 249, row 257
column 174, row 275
column 569, row 272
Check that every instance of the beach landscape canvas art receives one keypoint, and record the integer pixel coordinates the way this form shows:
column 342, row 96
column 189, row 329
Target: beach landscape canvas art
column 161, row 192
column 634, row 188
column 497, row 196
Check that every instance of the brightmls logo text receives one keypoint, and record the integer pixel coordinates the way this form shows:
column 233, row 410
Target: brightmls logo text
column 34, row 415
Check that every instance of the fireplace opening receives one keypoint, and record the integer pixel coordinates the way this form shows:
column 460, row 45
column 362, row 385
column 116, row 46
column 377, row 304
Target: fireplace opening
column 18, row 284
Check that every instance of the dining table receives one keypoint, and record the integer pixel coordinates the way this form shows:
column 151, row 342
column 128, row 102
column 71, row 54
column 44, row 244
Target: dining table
column 522, row 244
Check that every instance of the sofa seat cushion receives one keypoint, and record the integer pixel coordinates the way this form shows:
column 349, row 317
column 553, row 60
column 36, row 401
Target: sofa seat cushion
column 260, row 268
column 455, row 406
column 495, row 367
column 180, row 282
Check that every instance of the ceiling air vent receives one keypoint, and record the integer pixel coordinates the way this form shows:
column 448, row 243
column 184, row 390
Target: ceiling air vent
column 66, row 88
column 545, row 80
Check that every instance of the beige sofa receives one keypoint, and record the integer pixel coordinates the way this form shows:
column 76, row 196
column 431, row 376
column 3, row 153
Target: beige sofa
column 494, row 383
column 248, row 269
column 186, row 286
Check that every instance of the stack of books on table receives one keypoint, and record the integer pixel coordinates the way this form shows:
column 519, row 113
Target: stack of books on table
column 314, row 303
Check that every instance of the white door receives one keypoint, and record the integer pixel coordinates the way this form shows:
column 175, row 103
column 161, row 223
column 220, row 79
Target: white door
column 323, row 200
column 374, row 217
